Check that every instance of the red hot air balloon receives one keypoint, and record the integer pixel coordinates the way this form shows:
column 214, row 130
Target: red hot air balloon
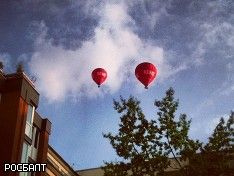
column 99, row 75
column 145, row 73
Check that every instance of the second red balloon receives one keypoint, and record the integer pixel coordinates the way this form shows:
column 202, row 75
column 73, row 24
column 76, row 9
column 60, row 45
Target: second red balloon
column 146, row 73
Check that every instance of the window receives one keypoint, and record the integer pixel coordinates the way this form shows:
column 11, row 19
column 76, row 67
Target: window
column 35, row 142
column 29, row 122
column 33, row 133
column 25, row 152
column 26, row 174
column 35, row 138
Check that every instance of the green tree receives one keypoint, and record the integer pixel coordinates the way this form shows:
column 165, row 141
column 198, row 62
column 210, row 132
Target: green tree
column 177, row 143
column 215, row 156
column 145, row 145
column 222, row 137
column 137, row 142
column 162, row 146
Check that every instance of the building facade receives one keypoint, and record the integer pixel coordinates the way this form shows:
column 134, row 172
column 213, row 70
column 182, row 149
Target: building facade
column 57, row 166
column 24, row 133
column 91, row 172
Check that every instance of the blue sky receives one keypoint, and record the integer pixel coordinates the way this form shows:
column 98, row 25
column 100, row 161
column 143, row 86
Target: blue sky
column 61, row 42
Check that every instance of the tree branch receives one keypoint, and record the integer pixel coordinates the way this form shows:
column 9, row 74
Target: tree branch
column 169, row 144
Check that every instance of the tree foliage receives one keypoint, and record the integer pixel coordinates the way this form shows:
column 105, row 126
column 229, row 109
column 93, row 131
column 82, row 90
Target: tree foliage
column 175, row 132
column 146, row 146
column 222, row 137
column 138, row 142
column 215, row 156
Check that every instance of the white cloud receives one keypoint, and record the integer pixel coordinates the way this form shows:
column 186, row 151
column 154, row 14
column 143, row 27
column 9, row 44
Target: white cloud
column 213, row 34
column 151, row 18
column 228, row 86
column 228, row 89
column 115, row 47
column 216, row 33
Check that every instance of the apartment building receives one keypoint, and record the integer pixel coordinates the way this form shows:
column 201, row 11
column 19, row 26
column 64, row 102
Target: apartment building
column 24, row 133
column 91, row 172
column 56, row 165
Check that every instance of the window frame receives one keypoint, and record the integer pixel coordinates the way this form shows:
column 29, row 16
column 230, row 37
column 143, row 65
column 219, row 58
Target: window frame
column 29, row 121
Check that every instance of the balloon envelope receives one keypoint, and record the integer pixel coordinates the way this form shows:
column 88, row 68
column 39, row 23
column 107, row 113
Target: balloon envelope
column 146, row 73
column 99, row 75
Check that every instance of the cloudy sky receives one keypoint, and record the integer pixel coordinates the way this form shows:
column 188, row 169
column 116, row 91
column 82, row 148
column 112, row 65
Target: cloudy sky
column 61, row 42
